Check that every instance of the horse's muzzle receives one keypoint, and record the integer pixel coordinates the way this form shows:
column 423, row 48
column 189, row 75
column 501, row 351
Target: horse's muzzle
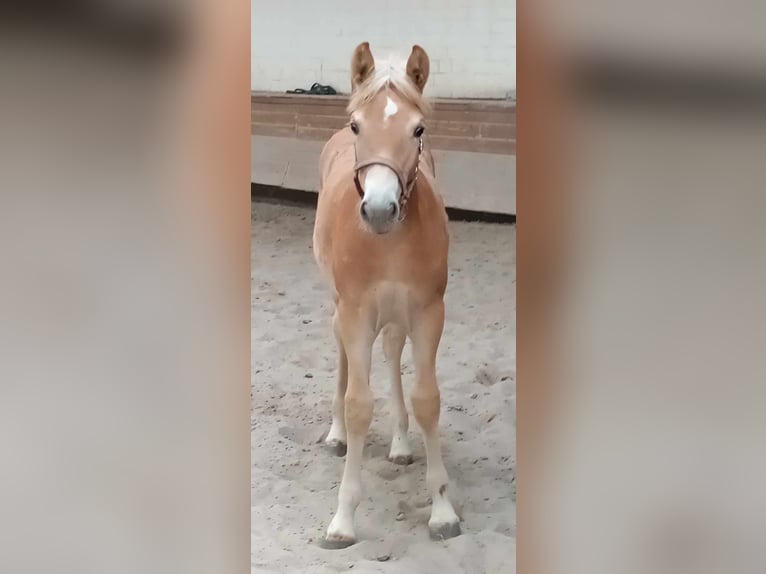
column 379, row 215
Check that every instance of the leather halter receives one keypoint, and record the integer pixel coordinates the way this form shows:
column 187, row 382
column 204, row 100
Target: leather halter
column 405, row 186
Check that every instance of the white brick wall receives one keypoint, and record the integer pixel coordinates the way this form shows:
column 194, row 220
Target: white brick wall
column 471, row 43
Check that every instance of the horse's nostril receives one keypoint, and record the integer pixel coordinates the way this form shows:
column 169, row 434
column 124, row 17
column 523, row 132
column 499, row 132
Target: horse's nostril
column 392, row 208
column 363, row 209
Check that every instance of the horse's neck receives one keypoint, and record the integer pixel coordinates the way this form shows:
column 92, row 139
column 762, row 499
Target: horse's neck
column 427, row 161
column 425, row 201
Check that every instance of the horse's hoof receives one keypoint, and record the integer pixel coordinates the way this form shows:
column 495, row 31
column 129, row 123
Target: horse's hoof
column 403, row 459
column 444, row 531
column 336, row 543
column 338, row 448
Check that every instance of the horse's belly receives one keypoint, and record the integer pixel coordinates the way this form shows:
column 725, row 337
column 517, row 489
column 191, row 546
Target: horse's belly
column 322, row 255
column 392, row 303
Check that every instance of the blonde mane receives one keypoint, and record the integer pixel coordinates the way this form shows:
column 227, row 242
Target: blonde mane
column 388, row 73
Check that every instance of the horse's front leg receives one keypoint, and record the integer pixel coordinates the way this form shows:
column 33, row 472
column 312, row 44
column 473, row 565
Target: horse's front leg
column 357, row 337
column 336, row 437
column 426, row 402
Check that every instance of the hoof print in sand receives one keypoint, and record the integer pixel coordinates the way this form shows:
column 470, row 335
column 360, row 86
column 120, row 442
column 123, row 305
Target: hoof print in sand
column 444, row 531
column 485, row 377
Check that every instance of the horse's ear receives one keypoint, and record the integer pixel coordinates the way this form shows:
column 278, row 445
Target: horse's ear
column 362, row 65
column 418, row 67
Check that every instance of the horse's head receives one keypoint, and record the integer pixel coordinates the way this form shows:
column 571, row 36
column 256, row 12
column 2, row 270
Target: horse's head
column 387, row 118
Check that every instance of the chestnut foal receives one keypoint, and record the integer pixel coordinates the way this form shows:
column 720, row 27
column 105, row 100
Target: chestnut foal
column 381, row 239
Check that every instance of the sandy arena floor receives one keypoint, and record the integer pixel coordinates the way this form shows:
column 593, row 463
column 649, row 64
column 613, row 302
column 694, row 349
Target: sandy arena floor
column 295, row 479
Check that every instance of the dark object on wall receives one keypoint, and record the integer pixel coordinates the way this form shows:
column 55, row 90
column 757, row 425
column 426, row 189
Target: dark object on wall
column 317, row 89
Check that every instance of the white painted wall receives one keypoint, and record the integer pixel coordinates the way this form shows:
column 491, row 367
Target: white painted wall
column 471, row 43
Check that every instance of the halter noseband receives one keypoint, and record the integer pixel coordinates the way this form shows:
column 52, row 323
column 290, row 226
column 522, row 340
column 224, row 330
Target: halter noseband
column 406, row 186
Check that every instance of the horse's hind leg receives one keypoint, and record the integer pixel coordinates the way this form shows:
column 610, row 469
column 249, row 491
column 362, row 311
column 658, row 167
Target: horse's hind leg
column 393, row 343
column 336, row 438
column 428, row 325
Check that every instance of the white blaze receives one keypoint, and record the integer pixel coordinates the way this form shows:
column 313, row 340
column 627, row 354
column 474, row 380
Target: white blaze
column 391, row 108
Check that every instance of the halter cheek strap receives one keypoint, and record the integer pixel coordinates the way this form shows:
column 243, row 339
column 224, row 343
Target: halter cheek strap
column 405, row 186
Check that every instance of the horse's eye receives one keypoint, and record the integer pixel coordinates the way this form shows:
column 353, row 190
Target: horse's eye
column 419, row 131
column 354, row 127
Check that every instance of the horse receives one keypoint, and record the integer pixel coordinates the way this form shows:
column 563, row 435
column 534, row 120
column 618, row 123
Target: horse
column 381, row 239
